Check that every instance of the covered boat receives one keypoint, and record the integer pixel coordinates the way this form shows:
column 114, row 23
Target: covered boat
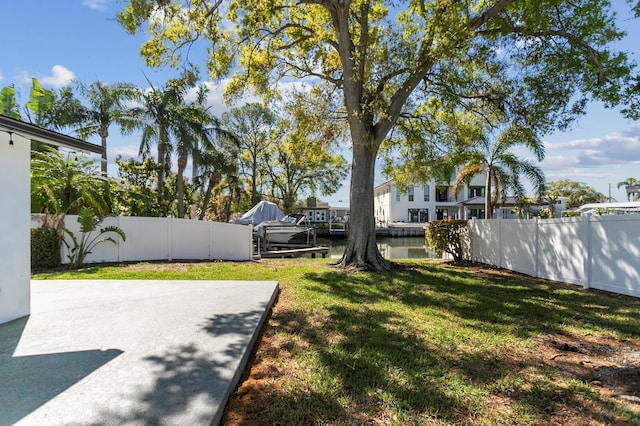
column 262, row 212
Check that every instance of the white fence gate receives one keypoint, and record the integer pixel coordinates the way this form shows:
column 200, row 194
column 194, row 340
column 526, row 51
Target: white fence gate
column 151, row 238
column 602, row 252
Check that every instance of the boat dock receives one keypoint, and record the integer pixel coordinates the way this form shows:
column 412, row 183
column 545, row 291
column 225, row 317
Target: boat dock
column 298, row 252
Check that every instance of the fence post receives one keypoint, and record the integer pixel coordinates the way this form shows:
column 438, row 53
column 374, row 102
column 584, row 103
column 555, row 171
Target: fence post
column 210, row 240
column 119, row 240
column 169, row 239
column 536, row 258
column 588, row 255
column 499, row 242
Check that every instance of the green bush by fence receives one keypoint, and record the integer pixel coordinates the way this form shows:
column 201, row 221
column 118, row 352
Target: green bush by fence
column 448, row 236
column 45, row 248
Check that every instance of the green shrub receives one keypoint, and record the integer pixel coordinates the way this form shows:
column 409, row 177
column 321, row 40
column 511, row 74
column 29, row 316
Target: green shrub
column 448, row 236
column 570, row 213
column 45, row 248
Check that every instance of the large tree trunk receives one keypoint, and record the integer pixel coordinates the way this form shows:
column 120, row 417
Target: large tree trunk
column 361, row 250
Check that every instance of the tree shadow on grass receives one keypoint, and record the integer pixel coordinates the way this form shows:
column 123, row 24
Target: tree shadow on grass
column 382, row 358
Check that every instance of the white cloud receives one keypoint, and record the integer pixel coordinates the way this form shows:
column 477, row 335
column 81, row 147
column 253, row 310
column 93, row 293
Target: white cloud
column 59, row 77
column 622, row 147
column 22, row 78
column 126, row 151
column 1, row 77
column 95, row 4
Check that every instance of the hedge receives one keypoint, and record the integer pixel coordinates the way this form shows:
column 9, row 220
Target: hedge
column 45, row 248
column 448, row 236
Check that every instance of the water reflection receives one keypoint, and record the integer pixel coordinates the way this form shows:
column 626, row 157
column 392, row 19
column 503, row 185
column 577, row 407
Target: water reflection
column 390, row 248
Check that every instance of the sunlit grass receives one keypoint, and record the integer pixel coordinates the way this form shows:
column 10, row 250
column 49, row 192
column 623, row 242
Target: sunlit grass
column 425, row 344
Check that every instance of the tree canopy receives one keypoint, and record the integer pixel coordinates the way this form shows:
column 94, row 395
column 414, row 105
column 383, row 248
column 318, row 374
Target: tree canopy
column 537, row 62
column 577, row 193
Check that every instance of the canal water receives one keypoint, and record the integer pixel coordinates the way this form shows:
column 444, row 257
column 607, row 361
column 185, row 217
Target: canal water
column 390, row 248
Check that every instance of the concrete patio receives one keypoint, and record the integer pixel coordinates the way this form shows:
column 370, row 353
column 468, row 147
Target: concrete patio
column 129, row 352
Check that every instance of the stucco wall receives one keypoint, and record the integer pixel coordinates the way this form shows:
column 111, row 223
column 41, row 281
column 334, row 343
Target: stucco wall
column 15, row 259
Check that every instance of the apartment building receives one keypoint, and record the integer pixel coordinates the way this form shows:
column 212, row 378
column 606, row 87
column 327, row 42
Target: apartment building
column 422, row 203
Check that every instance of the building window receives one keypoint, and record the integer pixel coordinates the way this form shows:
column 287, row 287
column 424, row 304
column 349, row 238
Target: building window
column 397, row 195
column 442, row 193
column 442, row 214
column 418, row 215
column 476, row 191
column 411, row 193
column 426, row 193
column 477, row 213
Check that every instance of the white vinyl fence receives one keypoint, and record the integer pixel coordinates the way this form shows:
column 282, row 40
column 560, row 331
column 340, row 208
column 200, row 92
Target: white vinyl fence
column 151, row 238
column 601, row 252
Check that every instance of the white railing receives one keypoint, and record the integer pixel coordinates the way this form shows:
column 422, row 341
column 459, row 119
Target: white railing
column 151, row 238
column 602, row 252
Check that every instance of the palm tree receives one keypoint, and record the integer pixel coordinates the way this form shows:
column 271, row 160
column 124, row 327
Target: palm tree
column 108, row 104
column 174, row 123
column 632, row 185
column 502, row 168
column 62, row 185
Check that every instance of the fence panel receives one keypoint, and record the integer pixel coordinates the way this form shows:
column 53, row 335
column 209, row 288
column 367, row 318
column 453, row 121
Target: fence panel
column 562, row 250
column 189, row 239
column 485, row 241
column 147, row 238
column 151, row 238
column 518, row 244
column 231, row 242
column 615, row 253
column 593, row 251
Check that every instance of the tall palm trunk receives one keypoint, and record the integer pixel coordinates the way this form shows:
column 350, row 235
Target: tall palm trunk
column 214, row 179
column 104, row 134
column 182, row 165
column 488, row 207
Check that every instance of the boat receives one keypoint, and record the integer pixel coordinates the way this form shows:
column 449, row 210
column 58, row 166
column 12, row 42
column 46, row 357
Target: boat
column 290, row 231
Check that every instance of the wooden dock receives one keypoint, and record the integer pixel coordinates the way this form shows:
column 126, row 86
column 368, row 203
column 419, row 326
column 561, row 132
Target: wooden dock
column 324, row 251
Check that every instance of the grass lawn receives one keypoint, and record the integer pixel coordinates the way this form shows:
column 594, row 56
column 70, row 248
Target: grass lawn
column 427, row 344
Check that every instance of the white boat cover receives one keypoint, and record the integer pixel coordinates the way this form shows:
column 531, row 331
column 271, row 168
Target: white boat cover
column 261, row 212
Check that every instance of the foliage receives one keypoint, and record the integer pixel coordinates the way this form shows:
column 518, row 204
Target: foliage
column 8, row 103
column 45, row 108
column 138, row 193
column 503, row 169
column 220, row 182
column 577, row 193
column 630, row 183
column 255, row 126
column 40, row 106
column 375, row 62
column 426, row 344
column 570, row 213
column 546, row 213
column 173, row 123
column 63, row 185
column 107, row 105
column 45, row 248
column 83, row 246
column 304, row 161
column 448, row 236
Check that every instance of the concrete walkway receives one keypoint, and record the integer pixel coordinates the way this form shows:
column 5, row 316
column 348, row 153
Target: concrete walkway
column 129, row 352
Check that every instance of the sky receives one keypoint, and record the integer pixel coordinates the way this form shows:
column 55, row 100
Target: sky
column 58, row 41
